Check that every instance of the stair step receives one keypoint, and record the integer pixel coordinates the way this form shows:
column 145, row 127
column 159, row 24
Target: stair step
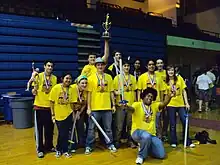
column 87, row 31
column 89, row 46
column 88, row 39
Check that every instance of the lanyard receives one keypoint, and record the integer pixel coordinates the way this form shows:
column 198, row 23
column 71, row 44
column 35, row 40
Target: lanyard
column 47, row 82
column 127, row 83
column 79, row 96
column 152, row 80
column 148, row 112
column 173, row 86
column 101, row 81
column 65, row 93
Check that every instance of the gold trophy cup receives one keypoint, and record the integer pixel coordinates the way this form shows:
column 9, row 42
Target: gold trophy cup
column 106, row 25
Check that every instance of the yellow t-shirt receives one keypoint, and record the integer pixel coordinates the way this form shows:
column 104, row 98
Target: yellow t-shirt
column 162, row 74
column 100, row 99
column 75, row 95
column 129, row 89
column 178, row 100
column 88, row 70
column 42, row 97
column 138, row 118
column 62, row 107
column 144, row 82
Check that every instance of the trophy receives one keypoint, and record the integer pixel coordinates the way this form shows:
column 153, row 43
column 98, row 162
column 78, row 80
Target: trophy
column 106, row 25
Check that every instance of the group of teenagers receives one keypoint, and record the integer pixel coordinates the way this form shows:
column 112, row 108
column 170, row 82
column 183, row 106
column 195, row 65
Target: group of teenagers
column 152, row 100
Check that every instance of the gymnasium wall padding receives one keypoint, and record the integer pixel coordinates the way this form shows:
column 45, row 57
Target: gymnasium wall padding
column 24, row 40
column 136, row 43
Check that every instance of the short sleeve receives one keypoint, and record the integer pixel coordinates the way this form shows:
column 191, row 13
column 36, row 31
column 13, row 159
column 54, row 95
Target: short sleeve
column 74, row 94
column 209, row 80
column 135, row 105
column 85, row 71
column 53, row 94
column 90, row 84
column 182, row 82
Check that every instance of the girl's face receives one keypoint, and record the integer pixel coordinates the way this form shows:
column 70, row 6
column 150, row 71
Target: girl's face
column 137, row 64
column 170, row 72
column 67, row 80
column 83, row 84
column 126, row 68
column 151, row 66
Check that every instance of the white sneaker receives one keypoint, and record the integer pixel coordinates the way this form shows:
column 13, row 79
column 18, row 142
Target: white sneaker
column 58, row 154
column 67, row 155
column 112, row 148
column 139, row 160
column 192, row 145
column 73, row 151
column 173, row 145
column 88, row 151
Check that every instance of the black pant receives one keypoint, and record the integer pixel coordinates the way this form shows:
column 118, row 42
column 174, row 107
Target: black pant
column 63, row 133
column 43, row 125
column 165, row 119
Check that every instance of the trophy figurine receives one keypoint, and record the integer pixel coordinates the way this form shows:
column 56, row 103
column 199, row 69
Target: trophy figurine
column 34, row 74
column 106, row 25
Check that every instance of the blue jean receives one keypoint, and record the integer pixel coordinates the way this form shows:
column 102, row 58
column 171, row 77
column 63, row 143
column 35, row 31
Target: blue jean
column 172, row 117
column 149, row 144
column 106, row 118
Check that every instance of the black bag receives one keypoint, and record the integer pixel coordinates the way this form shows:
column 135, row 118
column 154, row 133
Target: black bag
column 203, row 138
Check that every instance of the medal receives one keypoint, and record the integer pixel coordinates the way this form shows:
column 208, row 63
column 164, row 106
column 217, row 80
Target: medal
column 127, row 83
column 101, row 82
column 152, row 80
column 148, row 112
column 65, row 93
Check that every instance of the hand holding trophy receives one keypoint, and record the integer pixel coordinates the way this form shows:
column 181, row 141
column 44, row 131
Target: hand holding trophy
column 34, row 74
column 106, row 25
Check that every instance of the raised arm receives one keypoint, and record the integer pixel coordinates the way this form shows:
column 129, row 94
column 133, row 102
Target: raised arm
column 106, row 51
column 166, row 101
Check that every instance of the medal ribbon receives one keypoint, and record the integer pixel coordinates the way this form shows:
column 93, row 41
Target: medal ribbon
column 47, row 82
column 173, row 87
column 152, row 80
column 101, row 81
column 65, row 93
column 79, row 96
column 147, row 112
column 127, row 83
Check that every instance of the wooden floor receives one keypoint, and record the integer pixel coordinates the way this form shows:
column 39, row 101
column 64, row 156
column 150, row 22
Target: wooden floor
column 17, row 146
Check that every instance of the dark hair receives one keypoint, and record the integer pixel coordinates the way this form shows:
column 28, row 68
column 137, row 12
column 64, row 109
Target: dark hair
column 147, row 91
column 115, row 51
column 46, row 61
column 92, row 53
column 151, row 60
column 125, row 61
column 168, row 77
column 65, row 74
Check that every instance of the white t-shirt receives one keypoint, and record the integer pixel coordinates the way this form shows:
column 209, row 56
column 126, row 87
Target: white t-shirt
column 203, row 81
column 211, row 76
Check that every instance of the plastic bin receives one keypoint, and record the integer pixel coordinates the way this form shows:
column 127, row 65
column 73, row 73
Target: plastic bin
column 22, row 112
column 7, row 110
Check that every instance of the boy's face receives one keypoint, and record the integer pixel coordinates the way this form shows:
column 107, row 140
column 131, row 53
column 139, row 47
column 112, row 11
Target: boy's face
column 91, row 59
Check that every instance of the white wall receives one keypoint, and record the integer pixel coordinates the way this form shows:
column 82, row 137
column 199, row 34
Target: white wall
column 208, row 20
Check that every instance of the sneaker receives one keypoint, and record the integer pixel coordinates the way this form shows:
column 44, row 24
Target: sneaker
column 58, row 154
column 112, row 148
column 88, row 151
column 40, row 154
column 67, row 155
column 139, row 160
column 73, row 151
column 173, row 145
column 192, row 145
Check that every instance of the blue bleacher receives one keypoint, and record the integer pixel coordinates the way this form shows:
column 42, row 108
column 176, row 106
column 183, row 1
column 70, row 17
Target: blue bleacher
column 27, row 39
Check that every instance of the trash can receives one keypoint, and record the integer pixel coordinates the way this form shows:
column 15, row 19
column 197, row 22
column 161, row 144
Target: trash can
column 7, row 111
column 22, row 112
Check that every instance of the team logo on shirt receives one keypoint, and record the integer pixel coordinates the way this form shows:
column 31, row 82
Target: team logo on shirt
column 63, row 98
